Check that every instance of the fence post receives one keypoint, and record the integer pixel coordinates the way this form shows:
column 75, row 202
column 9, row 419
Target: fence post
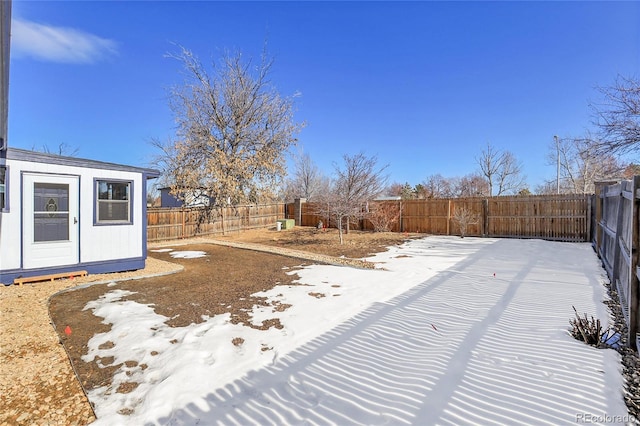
column 588, row 236
column 449, row 216
column 485, row 217
column 297, row 210
column 616, row 240
column 597, row 238
column 182, row 232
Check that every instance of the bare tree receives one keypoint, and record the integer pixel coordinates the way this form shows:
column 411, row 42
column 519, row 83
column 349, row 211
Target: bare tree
column 163, row 161
column 153, row 197
column 471, row 185
column 358, row 181
column 546, row 187
column 618, row 116
column 581, row 163
column 394, row 190
column 402, row 190
column 630, row 171
column 502, row 171
column 437, row 186
column 233, row 131
column 307, row 181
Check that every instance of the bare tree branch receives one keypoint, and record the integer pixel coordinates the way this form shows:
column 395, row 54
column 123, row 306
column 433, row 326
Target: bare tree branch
column 618, row 116
column 64, row 150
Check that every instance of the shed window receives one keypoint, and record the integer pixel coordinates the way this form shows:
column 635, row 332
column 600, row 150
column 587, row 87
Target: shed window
column 113, row 202
column 3, row 188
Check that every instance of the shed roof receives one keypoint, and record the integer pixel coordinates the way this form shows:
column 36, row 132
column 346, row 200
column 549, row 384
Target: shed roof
column 41, row 157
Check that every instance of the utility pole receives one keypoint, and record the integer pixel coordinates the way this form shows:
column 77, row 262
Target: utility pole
column 557, row 165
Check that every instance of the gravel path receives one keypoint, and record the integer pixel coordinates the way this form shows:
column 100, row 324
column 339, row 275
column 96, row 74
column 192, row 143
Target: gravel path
column 314, row 257
column 630, row 360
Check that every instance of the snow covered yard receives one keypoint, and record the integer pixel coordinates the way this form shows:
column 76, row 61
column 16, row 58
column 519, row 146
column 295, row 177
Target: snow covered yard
column 447, row 331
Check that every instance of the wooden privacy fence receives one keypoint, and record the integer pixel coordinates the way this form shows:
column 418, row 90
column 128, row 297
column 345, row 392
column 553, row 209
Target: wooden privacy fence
column 565, row 217
column 616, row 241
column 177, row 223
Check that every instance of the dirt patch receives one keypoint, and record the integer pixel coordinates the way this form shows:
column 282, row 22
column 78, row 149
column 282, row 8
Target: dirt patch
column 220, row 282
column 357, row 244
column 40, row 374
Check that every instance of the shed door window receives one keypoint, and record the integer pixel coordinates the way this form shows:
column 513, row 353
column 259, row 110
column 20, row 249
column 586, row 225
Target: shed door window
column 50, row 212
column 113, row 202
column 3, row 189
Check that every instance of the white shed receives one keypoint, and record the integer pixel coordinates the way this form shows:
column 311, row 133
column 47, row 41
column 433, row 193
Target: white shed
column 63, row 214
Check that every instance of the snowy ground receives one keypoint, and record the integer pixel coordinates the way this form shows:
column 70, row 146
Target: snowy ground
column 452, row 331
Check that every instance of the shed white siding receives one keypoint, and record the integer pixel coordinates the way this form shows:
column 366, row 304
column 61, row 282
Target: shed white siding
column 10, row 224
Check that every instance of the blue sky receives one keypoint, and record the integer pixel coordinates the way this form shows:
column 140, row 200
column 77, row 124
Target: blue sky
column 422, row 85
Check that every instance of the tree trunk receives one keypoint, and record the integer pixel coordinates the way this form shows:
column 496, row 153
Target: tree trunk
column 223, row 229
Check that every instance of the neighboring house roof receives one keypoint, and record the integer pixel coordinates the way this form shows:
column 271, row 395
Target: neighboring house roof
column 388, row 198
column 189, row 198
column 168, row 188
column 41, row 157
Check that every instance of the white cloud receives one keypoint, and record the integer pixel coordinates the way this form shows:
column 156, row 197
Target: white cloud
column 58, row 44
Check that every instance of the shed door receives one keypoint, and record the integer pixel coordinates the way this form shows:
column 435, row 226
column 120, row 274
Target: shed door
column 49, row 221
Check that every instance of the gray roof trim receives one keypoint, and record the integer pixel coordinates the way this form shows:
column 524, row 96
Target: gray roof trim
column 41, row 157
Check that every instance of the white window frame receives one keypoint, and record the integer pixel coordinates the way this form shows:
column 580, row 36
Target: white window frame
column 101, row 202
column 4, row 188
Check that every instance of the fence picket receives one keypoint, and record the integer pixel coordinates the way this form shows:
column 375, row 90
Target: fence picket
column 553, row 217
column 178, row 223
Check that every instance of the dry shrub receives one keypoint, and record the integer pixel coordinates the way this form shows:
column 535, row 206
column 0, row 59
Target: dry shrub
column 465, row 217
column 383, row 216
column 590, row 331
